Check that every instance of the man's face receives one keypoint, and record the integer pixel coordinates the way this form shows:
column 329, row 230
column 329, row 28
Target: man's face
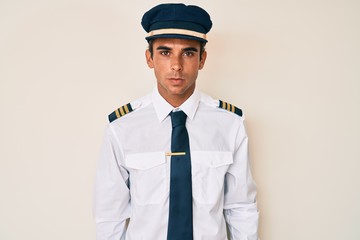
column 176, row 63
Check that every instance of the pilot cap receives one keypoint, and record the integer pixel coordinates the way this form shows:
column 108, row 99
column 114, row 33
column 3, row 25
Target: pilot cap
column 176, row 20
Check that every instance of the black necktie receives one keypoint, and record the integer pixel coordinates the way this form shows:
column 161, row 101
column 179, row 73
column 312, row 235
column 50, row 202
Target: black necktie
column 180, row 206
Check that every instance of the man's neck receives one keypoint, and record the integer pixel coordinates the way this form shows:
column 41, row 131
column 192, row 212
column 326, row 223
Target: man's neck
column 176, row 100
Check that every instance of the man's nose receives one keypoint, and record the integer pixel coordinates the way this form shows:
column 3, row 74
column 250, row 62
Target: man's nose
column 176, row 63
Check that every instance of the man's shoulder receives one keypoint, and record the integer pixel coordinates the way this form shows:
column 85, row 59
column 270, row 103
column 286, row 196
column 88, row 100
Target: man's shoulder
column 220, row 105
column 129, row 108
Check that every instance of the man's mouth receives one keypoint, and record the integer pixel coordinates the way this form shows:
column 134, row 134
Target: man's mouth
column 176, row 80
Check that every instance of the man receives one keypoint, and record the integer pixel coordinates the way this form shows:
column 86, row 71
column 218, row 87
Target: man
column 174, row 164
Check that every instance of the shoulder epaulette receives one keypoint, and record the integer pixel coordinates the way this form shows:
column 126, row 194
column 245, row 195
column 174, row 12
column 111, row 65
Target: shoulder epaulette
column 121, row 111
column 230, row 107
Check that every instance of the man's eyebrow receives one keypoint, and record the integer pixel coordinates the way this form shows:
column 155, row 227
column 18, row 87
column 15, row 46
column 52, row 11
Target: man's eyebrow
column 163, row 48
column 192, row 49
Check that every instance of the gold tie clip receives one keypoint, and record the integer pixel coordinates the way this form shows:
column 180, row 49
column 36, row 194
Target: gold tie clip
column 175, row 153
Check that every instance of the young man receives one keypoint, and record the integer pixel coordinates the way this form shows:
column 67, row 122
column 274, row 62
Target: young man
column 174, row 164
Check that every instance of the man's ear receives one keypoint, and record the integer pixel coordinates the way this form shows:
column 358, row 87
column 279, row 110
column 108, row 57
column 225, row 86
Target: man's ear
column 149, row 59
column 202, row 61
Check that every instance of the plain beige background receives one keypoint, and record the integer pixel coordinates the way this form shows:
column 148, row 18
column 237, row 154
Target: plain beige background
column 292, row 66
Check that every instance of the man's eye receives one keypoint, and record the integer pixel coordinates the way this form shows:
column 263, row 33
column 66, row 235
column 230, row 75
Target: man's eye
column 188, row 54
column 165, row 53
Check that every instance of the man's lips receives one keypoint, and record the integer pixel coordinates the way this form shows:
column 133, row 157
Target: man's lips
column 176, row 79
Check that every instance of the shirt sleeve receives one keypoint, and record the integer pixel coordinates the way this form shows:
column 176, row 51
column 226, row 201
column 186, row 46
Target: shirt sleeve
column 111, row 193
column 240, row 208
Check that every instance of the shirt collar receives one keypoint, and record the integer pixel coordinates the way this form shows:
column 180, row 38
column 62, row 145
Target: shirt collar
column 163, row 108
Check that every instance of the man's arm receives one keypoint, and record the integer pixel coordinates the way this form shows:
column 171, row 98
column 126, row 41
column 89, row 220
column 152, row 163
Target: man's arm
column 111, row 195
column 240, row 207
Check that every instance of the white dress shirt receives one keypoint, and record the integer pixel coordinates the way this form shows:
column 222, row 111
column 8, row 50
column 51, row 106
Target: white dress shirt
column 133, row 174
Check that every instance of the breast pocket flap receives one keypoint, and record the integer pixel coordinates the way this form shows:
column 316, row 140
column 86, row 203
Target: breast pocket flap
column 212, row 158
column 143, row 161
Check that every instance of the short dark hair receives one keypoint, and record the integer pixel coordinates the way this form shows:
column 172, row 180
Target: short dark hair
column 151, row 49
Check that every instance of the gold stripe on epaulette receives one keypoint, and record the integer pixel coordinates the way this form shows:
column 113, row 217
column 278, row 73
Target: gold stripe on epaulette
column 229, row 107
column 122, row 111
column 117, row 113
column 126, row 109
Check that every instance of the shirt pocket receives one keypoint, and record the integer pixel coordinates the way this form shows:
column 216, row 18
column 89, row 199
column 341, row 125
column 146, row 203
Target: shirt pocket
column 208, row 173
column 148, row 177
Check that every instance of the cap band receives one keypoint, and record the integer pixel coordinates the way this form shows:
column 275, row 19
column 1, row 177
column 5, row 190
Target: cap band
column 177, row 31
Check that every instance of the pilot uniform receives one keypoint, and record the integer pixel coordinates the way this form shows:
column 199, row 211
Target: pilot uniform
column 132, row 186
column 133, row 172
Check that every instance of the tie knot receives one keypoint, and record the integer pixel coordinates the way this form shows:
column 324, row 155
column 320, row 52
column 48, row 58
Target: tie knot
column 178, row 118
